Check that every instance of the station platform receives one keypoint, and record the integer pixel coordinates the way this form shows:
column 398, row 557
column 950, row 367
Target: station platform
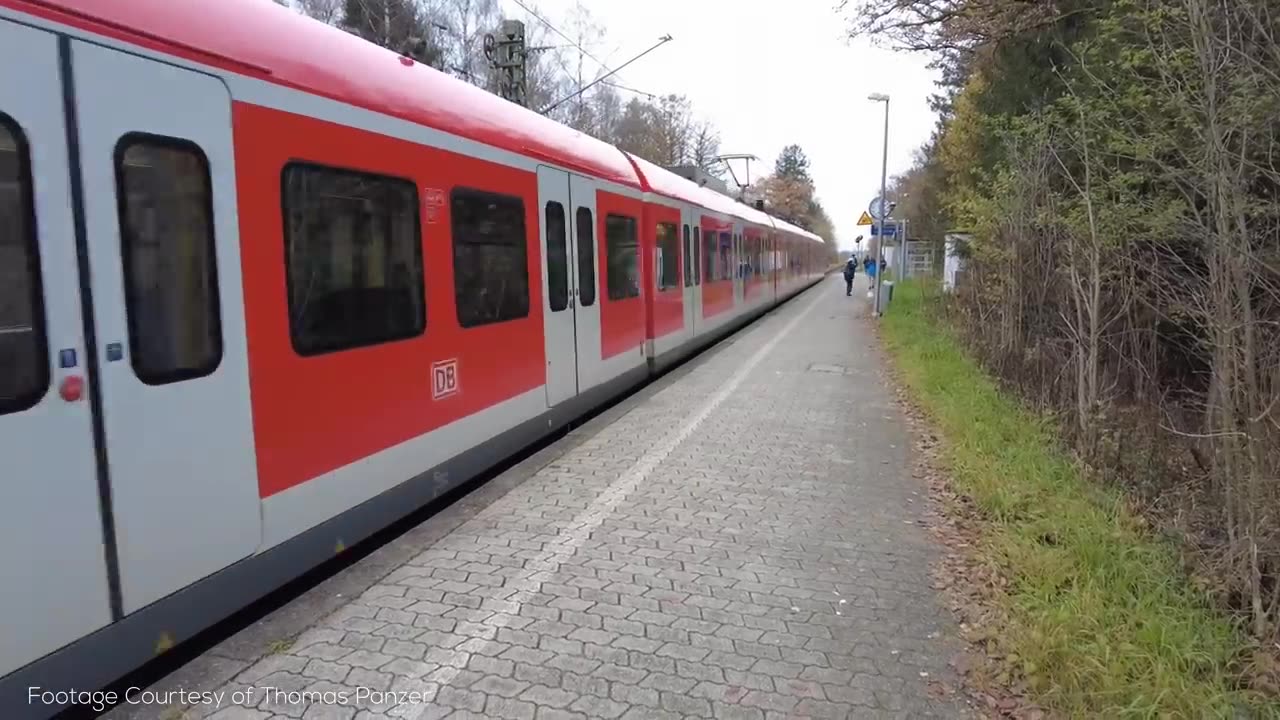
column 741, row 539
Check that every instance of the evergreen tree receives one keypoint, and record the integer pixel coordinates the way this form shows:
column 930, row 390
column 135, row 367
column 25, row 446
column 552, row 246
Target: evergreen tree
column 792, row 163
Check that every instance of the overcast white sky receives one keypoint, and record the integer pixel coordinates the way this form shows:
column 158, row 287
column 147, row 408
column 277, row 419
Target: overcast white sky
column 769, row 74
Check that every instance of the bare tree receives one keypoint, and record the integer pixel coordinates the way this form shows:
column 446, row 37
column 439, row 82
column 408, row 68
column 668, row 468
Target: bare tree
column 403, row 26
column 1232, row 162
column 607, row 106
column 326, row 11
column 953, row 24
column 580, row 69
column 704, row 149
column 671, row 122
column 464, row 24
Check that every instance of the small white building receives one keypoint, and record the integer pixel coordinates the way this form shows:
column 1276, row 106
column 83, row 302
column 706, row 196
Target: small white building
column 953, row 263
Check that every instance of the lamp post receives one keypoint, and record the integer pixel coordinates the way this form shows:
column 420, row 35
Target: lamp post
column 884, row 202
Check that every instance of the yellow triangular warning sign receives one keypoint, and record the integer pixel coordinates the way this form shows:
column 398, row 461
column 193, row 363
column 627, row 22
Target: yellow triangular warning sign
column 865, row 219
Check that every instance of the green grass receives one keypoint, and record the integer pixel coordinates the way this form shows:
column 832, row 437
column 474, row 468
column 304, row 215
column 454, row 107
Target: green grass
column 1104, row 622
column 279, row 646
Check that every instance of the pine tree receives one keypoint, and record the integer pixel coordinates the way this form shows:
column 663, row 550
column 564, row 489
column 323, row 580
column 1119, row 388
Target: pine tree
column 792, row 163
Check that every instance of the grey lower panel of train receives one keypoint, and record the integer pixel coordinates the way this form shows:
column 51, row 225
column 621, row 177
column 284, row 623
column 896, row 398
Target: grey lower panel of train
column 107, row 655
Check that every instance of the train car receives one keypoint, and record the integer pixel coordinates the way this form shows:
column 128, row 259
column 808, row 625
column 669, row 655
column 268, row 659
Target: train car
column 266, row 288
column 709, row 257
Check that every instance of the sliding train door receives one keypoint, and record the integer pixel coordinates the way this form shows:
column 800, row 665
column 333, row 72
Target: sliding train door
column 54, row 566
column 692, row 271
column 570, row 306
column 586, row 281
column 162, row 233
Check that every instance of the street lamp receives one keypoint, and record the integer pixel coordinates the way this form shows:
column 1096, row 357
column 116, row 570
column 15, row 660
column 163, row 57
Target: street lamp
column 884, row 169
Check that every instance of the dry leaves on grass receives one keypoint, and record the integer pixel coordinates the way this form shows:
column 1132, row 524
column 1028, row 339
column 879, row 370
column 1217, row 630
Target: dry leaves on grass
column 968, row 582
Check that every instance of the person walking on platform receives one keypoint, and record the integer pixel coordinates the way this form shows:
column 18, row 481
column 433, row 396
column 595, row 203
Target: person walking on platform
column 850, row 268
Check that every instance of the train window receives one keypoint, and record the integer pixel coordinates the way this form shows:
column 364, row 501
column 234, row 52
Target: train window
column 668, row 260
column 490, row 258
column 622, row 253
column 696, row 265
column 688, row 258
column 557, row 258
column 170, row 267
column 24, row 353
column 586, row 258
column 353, row 257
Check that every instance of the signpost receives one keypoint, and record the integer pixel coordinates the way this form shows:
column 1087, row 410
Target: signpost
column 888, row 227
column 877, row 216
column 878, row 203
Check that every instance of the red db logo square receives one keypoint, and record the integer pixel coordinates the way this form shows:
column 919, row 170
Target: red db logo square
column 444, row 379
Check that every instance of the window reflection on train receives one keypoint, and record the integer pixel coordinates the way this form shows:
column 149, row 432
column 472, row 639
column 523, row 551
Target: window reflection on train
column 24, row 371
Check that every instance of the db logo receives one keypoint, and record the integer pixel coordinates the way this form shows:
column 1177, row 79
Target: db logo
column 444, row 379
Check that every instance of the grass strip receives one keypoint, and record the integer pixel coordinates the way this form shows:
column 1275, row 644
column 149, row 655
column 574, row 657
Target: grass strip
column 1103, row 620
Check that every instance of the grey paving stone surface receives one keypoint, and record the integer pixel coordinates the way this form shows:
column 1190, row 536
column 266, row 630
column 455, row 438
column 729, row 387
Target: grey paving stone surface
column 743, row 542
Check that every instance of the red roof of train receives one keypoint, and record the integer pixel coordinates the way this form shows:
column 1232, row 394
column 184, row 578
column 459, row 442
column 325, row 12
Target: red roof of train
column 261, row 39
column 258, row 38
column 664, row 182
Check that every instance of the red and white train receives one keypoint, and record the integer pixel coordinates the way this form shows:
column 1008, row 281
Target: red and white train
column 266, row 288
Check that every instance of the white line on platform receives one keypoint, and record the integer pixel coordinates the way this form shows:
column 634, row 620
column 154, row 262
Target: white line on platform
column 566, row 544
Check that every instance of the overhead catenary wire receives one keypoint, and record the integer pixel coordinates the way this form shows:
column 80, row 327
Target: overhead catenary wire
column 662, row 41
column 599, row 78
column 631, row 89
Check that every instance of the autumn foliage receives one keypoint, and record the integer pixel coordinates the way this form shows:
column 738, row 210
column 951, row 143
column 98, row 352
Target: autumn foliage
column 1114, row 164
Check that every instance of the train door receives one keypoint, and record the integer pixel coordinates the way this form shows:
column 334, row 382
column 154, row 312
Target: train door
column 739, row 288
column 557, row 281
column 161, row 227
column 692, row 269
column 570, row 308
column 54, row 567
column 773, row 266
column 586, row 285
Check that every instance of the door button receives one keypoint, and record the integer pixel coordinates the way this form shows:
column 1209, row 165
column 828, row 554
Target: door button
column 72, row 388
